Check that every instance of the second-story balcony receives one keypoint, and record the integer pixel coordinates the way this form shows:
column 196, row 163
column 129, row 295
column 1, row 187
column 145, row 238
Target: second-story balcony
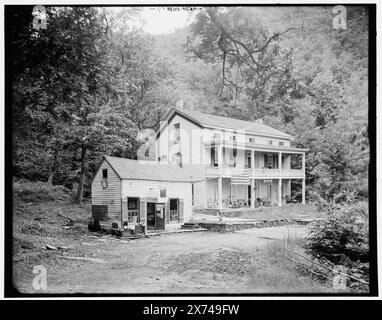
column 227, row 172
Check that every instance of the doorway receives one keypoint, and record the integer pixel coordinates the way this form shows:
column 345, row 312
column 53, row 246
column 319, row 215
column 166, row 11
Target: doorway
column 155, row 216
column 249, row 195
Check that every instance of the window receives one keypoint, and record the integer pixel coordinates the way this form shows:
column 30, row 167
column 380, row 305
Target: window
column 147, row 153
column 270, row 142
column 214, row 156
column 162, row 193
column 193, row 194
column 233, row 158
column 252, row 140
column 268, row 161
column 177, row 132
column 232, row 138
column 104, row 173
column 132, row 210
column 174, row 210
column 281, row 143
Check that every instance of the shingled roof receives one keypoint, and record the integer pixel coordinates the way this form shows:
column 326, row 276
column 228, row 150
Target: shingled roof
column 150, row 170
column 209, row 120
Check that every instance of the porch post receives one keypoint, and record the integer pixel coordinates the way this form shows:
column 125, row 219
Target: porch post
column 252, row 192
column 220, row 192
column 303, row 163
column 220, row 157
column 303, row 191
column 280, row 161
column 253, row 179
column 303, row 180
column 280, row 192
column 220, row 179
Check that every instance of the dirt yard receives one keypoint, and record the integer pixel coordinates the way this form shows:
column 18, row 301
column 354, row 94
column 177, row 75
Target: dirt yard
column 246, row 261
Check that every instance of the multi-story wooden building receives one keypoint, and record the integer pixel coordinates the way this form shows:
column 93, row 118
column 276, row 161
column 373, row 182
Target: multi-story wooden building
column 201, row 161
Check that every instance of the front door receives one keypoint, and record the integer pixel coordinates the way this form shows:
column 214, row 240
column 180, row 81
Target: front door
column 159, row 216
column 150, row 215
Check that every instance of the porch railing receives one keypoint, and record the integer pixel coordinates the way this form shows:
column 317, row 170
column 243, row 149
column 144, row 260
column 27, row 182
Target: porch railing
column 226, row 171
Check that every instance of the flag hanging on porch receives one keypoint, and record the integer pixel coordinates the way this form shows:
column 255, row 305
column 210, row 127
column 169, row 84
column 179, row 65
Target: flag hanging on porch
column 243, row 177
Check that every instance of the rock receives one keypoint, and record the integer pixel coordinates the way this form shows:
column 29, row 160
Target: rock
column 87, row 244
column 66, row 227
column 124, row 241
column 156, row 278
column 63, row 248
column 102, row 240
column 96, row 260
column 50, row 247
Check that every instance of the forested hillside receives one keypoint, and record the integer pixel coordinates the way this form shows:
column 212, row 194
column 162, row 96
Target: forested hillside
column 89, row 83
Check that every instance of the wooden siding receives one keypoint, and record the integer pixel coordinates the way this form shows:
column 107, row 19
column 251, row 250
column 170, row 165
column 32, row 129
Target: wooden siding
column 147, row 188
column 199, row 194
column 189, row 140
column 111, row 196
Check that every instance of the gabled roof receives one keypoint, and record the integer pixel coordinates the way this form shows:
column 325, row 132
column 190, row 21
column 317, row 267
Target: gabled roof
column 149, row 170
column 209, row 120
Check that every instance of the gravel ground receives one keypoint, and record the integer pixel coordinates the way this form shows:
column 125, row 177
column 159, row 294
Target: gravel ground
column 245, row 261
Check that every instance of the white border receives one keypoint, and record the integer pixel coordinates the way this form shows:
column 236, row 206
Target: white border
column 192, row 2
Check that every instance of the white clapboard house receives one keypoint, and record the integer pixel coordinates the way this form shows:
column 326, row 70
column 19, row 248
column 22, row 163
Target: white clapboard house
column 202, row 161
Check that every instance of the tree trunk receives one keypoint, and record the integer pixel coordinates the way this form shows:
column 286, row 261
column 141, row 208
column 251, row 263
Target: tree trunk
column 53, row 168
column 82, row 175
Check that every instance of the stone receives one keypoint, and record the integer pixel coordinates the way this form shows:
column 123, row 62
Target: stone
column 50, row 247
column 63, row 247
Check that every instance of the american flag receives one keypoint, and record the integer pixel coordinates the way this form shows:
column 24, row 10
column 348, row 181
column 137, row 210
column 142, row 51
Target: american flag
column 242, row 177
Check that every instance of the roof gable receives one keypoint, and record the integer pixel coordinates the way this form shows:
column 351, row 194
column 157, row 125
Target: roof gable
column 149, row 170
column 209, row 120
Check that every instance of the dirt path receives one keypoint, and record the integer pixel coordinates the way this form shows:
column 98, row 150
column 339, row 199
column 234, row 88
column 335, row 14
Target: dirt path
column 203, row 262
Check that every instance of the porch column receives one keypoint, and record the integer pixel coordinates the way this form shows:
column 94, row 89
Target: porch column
column 280, row 161
column 253, row 179
column 303, row 180
column 252, row 192
column 220, row 156
column 280, row 202
column 303, row 191
column 303, row 163
column 220, row 192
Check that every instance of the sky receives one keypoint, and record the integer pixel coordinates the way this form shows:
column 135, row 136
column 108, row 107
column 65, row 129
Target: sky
column 163, row 20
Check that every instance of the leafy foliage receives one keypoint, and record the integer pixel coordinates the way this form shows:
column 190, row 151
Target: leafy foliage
column 88, row 83
column 343, row 235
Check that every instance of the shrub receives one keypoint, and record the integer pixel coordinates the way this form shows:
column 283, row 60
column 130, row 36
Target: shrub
column 39, row 191
column 343, row 235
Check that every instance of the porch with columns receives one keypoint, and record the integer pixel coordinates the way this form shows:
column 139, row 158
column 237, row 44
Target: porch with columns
column 262, row 175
